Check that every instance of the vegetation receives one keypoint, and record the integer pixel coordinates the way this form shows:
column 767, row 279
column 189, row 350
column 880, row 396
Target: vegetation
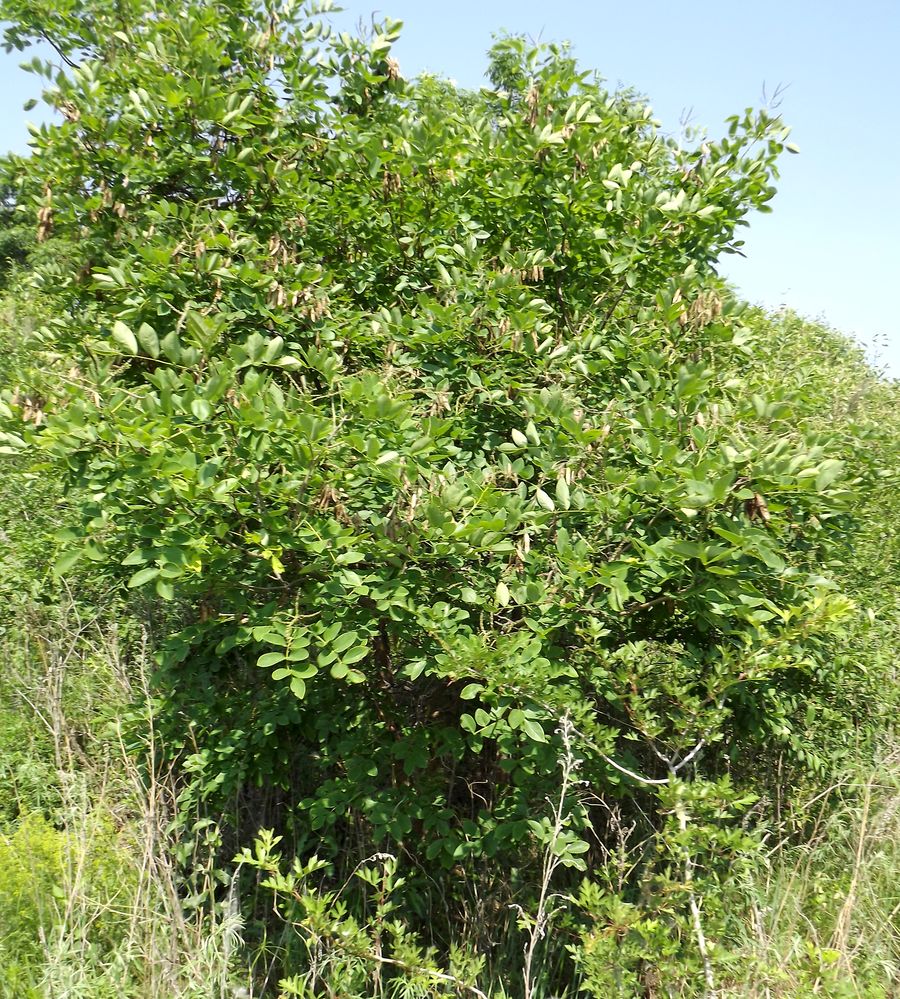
column 422, row 575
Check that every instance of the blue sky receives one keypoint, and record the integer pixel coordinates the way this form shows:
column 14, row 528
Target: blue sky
column 830, row 248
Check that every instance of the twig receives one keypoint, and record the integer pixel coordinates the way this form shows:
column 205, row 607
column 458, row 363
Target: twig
column 551, row 859
column 662, row 598
column 687, row 759
column 695, row 908
column 626, row 771
column 58, row 50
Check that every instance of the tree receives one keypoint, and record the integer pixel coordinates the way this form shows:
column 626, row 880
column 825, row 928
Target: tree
column 428, row 412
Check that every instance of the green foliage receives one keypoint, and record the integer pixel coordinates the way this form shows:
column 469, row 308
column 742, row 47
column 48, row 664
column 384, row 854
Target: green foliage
column 16, row 238
column 342, row 955
column 423, row 420
column 31, row 864
column 37, row 864
column 90, row 904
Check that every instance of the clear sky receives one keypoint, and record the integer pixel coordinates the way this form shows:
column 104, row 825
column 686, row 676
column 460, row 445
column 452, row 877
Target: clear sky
column 830, row 248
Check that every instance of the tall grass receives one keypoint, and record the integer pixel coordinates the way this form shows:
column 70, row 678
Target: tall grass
column 820, row 914
column 90, row 899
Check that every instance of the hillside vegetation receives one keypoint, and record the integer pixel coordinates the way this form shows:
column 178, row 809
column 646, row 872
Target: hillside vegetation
column 422, row 575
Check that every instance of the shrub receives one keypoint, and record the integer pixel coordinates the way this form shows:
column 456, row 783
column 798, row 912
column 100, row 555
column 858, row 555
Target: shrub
column 427, row 412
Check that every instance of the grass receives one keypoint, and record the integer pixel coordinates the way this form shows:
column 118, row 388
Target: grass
column 822, row 916
column 89, row 894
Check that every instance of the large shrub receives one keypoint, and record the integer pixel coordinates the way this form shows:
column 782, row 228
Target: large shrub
column 428, row 410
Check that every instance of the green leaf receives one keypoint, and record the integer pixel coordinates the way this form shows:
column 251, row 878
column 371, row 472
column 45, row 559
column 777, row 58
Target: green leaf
column 171, row 346
column 148, row 339
column 533, row 730
column 331, row 632
column 544, row 500
column 65, row 562
column 201, row 408
column 270, row 659
column 415, row 669
column 124, row 337
column 143, row 576
column 349, row 558
column 829, row 472
column 15, row 440
column 771, row 559
column 736, row 539
column 344, row 641
column 470, row 691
